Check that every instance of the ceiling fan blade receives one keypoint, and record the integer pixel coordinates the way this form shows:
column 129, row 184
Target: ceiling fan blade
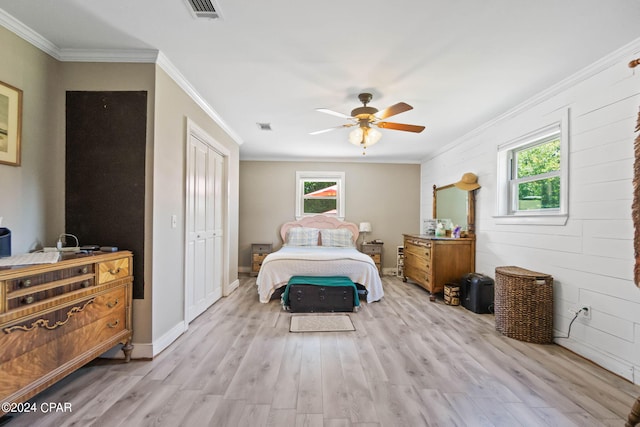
column 318, row 132
column 333, row 113
column 398, row 108
column 400, row 126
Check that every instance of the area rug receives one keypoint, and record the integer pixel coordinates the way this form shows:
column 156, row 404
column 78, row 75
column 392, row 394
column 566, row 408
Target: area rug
column 321, row 323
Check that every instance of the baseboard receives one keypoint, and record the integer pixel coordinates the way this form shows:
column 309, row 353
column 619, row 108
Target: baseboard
column 619, row 367
column 389, row 271
column 242, row 269
column 168, row 338
column 231, row 287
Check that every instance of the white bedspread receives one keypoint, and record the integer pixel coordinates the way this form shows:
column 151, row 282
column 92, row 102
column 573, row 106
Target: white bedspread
column 278, row 267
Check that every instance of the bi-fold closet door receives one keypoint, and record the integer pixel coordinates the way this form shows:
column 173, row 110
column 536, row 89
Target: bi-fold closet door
column 204, row 226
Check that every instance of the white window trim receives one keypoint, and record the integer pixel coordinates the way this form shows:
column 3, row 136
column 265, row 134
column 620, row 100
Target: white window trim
column 302, row 176
column 504, row 214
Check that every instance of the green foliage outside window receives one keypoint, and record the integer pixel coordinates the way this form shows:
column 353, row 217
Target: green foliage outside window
column 318, row 204
column 543, row 193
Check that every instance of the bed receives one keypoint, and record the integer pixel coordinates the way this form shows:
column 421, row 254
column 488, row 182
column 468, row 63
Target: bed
column 318, row 246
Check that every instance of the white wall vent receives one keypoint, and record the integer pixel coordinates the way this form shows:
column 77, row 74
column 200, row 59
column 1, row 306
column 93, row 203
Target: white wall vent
column 204, row 9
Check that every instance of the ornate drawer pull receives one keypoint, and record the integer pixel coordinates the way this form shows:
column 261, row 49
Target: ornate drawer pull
column 44, row 323
column 28, row 300
column 112, row 304
column 25, row 283
column 114, row 324
column 114, row 271
column 84, row 270
column 85, row 284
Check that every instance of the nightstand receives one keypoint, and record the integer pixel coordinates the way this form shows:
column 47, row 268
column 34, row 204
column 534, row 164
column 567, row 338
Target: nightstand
column 258, row 253
column 374, row 250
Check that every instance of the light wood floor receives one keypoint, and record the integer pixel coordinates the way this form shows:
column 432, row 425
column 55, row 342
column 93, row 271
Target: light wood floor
column 409, row 363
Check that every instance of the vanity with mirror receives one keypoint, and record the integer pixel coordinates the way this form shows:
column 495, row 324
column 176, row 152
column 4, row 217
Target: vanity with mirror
column 432, row 260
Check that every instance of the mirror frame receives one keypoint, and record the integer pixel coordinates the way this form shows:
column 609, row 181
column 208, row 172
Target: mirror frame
column 471, row 207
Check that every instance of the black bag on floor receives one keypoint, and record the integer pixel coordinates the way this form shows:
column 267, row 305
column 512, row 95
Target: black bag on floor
column 476, row 292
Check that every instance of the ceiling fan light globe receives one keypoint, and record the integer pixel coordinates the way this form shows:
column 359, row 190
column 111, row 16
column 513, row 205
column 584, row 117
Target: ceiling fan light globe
column 355, row 136
column 371, row 137
column 364, row 136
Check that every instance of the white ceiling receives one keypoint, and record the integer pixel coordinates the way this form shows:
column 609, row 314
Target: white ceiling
column 459, row 63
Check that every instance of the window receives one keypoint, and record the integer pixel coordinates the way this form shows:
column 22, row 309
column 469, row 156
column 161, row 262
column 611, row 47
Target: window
column 534, row 182
column 320, row 193
column 533, row 175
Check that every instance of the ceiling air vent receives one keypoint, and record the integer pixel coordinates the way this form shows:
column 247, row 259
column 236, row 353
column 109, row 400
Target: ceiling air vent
column 204, row 9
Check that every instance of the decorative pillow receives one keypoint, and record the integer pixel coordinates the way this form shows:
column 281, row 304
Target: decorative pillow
column 339, row 237
column 302, row 236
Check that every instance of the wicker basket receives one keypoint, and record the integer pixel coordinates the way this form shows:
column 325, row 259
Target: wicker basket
column 524, row 304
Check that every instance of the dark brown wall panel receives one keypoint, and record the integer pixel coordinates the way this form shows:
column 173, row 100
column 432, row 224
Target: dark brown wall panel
column 105, row 172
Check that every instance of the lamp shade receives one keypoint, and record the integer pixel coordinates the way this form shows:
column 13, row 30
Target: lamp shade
column 365, row 227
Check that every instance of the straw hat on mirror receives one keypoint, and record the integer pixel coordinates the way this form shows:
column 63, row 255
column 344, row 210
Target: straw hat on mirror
column 469, row 182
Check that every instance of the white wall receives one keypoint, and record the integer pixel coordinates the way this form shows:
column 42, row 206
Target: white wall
column 591, row 257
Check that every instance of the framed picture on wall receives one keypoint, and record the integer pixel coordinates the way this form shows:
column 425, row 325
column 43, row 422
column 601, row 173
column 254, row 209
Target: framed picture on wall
column 10, row 124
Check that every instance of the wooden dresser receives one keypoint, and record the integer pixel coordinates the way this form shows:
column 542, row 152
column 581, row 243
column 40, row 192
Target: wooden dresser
column 54, row 318
column 433, row 261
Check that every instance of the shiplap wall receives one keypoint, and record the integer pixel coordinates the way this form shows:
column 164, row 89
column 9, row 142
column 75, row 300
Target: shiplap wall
column 591, row 257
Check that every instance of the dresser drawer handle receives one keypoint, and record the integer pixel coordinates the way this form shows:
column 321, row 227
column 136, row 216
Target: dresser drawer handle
column 114, row 271
column 84, row 270
column 28, row 300
column 85, row 284
column 25, row 283
column 114, row 324
column 112, row 304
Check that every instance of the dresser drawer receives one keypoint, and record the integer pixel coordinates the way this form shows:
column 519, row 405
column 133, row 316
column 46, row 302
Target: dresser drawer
column 376, row 258
column 39, row 350
column 424, row 252
column 52, row 276
column 371, row 249
column 112, row 270
column 41, row 293
column 259, row 257
column 260, row 248
column 38, row 329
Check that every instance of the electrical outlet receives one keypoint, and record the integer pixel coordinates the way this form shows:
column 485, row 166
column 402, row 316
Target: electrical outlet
column 585, row 312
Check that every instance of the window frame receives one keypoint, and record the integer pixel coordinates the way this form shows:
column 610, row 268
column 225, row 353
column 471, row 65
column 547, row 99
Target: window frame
column 320, row 176
column 506, row 212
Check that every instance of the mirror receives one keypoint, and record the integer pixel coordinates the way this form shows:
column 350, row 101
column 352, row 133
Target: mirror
column 458, row 205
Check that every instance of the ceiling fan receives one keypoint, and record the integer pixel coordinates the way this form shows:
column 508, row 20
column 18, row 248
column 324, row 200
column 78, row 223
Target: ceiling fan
column 365, row 116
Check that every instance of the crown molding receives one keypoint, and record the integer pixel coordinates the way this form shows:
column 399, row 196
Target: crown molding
column 26, row 33
column 163, row 62
column 108, row 55
column 631, row 49
column 115, row 55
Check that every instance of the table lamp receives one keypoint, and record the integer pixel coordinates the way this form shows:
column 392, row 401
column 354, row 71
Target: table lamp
column 365, row 227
